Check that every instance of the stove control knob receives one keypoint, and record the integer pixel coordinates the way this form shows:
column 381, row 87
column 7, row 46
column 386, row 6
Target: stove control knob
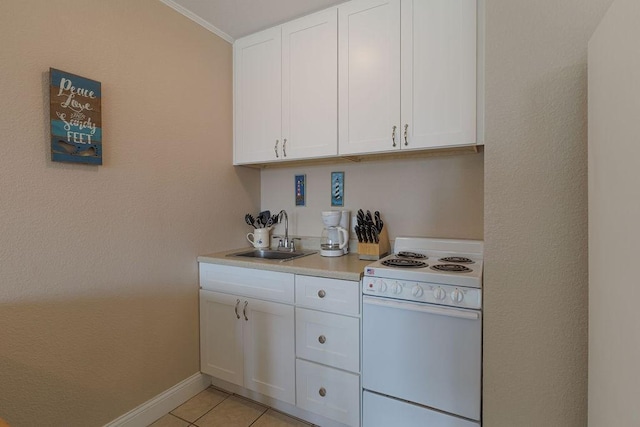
column 439, row 293
column 382, row 286
column 457, row 296
column 396, row 288
column 417, row 291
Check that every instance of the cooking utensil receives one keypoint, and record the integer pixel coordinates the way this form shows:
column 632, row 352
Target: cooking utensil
column 263, row 217
column 374, row 232
column 271, row 221
column 367, row 231
column 369, row 218
column 358, row 233
column 249, row 219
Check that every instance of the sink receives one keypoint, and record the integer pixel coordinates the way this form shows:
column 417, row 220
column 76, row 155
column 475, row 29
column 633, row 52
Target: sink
column 272, row 254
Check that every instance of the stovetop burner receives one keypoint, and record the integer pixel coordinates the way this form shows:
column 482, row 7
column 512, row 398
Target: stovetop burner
column 404, row 263
column 458, row 259
column 413, row 255
column 451, row 268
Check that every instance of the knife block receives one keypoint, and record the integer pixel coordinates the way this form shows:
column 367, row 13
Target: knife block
column 375, row 251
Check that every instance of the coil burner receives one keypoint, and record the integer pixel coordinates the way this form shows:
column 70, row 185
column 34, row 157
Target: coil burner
column 412, row 255
column 404, row 263
column 451, row 268
column 458, row 259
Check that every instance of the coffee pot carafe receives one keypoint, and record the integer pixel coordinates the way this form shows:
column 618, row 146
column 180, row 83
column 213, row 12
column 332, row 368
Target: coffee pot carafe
column 334, row 239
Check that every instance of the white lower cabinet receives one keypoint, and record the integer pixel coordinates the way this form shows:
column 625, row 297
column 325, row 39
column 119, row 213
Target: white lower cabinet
column 289, row 337
column 248, row 342
column 328, row 348
column 329, row 392
column 221, row 347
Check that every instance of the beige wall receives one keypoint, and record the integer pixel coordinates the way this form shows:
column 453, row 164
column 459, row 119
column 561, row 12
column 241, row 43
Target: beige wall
column 535, row 276
column 98, row 278
column 436, row 196
column 614, row 209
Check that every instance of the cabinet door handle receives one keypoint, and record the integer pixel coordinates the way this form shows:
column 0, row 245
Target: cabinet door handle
column 406, row 133
column 276, row 148
column 244, row 310
column 393, row 135
column 322, row 392
column 322, row 293
column 236, row 308
column 284, row 147
column 322, row 339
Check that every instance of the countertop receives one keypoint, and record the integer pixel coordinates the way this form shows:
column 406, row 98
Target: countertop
column 348, row 267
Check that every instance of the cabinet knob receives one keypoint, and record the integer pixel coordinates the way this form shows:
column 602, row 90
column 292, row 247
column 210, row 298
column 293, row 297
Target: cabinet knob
column 322, row 293
column 322, row 392
column 322, row 339
column 276, row 147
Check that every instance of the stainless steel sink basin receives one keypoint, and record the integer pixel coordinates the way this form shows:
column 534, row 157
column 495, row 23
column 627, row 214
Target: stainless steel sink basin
column 272, row 254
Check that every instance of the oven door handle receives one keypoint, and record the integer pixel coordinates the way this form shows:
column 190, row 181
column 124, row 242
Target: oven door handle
column 423, row 308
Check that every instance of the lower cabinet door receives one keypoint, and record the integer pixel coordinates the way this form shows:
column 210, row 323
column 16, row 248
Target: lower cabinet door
column 269, row 349
column 328, row 392
column 221, row 352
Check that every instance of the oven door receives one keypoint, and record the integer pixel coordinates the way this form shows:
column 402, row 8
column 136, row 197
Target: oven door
column 427, row 354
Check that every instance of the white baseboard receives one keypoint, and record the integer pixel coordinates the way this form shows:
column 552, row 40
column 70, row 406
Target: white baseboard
column 166, row 401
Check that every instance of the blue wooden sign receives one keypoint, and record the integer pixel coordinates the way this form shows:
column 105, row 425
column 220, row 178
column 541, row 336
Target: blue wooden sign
column 76, row 118
column 301, row 198
column 337, row 188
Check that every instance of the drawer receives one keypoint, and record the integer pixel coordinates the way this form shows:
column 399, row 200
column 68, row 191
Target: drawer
column 338, row 296
column 249, row 282
column 328, row 392
column 327, row 338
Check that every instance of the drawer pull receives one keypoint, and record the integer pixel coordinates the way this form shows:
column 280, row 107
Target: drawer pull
column 322, row 392
column 322, row 339
column 322, row 293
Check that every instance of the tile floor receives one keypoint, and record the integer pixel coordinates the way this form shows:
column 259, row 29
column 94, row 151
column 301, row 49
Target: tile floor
column 217, row 408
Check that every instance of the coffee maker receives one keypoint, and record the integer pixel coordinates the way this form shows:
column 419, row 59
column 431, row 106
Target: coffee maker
column 334, row 240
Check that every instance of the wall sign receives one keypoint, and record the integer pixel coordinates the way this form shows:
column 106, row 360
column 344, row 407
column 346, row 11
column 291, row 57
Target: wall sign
column 75, row 110
column 337, row 188
column 300, row 190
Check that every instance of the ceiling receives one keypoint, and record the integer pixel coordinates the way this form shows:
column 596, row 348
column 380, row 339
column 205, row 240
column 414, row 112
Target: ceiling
column 232, row 19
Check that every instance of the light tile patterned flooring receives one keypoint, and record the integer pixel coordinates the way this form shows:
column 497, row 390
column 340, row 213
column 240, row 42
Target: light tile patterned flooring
column 217, row 408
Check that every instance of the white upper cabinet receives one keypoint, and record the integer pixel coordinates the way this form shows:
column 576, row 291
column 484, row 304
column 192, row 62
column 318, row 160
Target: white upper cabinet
column 310, row 86
column 285, row 91
column 369, row 76
column 407, row 76
column 438, row 44
column 257, row 96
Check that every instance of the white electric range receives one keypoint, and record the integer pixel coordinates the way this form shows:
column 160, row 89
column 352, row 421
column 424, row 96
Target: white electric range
column 422, row 334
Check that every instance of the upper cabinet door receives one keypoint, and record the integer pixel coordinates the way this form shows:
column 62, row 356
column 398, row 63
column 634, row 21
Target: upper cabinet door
column 369, row 76
column 438, row 73
column 258, row 92
column 310, row 86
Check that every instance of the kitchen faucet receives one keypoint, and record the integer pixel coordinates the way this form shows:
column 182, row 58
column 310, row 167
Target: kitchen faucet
column 285, row 243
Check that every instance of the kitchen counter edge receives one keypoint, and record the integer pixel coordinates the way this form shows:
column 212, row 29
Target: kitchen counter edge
column 348, row 267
